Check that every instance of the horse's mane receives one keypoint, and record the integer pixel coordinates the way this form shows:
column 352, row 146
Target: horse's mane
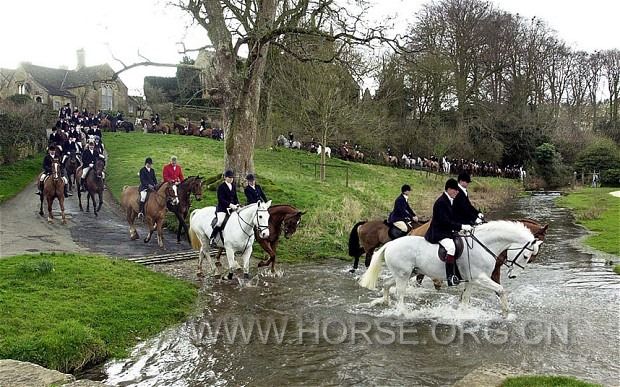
column 505, row 226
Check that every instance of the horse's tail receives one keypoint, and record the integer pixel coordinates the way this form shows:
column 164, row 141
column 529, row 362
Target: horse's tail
column 196, row 244
column 369, row 279
column 355, row 250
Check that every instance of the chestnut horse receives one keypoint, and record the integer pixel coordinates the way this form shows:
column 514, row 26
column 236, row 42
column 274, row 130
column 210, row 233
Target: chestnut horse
column 154, row 209
column 366, row 236
column 282, row 217
column 54, row 187
column 71, row 165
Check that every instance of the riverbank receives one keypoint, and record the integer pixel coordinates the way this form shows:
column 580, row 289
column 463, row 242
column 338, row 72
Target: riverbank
column 16, row 176
column 68, row 311
column 598, row 211
column 288, row 177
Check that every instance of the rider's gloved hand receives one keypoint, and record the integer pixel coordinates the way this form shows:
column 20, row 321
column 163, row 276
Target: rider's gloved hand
column 415, row 218
column 478, row 220
column 466, row 227
column 480, row 215
column 233, row 206
column 91, row 165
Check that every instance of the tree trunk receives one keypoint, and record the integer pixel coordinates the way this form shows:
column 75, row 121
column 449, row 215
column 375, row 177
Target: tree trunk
column 324, row 141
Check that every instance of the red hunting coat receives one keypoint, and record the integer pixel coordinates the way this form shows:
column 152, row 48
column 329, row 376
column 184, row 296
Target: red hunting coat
column 172, row 174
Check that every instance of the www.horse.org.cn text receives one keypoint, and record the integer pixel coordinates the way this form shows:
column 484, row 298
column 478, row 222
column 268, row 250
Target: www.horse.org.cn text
column 288, row 330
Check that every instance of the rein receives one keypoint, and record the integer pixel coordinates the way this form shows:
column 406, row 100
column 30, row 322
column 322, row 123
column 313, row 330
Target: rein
column 513, row 262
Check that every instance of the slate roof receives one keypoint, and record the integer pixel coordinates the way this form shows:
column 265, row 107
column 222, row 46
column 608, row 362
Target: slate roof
column 58, row 81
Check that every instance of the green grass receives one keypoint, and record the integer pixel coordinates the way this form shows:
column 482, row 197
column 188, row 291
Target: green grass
column 617, row 269
column 288, row 178
column 545, row 381
column 599, row 212
column 16, row 176
column 64, row 311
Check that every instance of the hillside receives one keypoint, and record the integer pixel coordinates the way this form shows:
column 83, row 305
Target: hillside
column 287, row 176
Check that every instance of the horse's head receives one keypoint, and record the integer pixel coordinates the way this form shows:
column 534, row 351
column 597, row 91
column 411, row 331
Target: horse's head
column 290, row 223
column 262, row 219
column 196, row 188
column 172, row 194
column 99, row 166
column 56, row 169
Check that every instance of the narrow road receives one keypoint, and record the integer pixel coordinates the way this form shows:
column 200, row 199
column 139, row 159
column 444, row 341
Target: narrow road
column 22, row 230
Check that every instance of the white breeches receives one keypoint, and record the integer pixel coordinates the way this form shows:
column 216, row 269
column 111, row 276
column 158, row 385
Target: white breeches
column 401, row 225
column 220, row 218
column 43, row 176
column 448, row 244
column 142, row 196
column 85, row 171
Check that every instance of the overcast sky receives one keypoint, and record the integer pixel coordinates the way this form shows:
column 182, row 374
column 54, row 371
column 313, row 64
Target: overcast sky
column 48, row 33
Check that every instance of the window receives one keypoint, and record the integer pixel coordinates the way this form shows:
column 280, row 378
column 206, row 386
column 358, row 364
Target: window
column 56, row 104
column 21, row 89
column 130, row 107
column 106, row 97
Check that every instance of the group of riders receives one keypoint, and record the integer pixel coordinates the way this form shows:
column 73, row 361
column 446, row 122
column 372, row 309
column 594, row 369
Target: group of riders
column 68, row 134
column 227, row 200
column 452, row 212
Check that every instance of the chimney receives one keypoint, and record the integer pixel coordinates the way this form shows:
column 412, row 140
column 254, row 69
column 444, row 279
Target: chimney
column 80, row 59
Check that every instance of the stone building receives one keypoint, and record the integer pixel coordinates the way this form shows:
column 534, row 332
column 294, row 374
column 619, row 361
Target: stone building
column 89, row 87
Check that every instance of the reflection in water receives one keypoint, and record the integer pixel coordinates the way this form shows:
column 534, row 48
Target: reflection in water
column 315, row 325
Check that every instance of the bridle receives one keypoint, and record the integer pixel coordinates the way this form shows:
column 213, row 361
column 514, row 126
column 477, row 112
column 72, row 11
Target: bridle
column 256, row 226
column 529, row 246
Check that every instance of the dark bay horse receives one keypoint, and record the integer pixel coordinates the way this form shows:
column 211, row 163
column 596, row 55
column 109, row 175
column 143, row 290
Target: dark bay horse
column 54, row 187
column 154, row 209
column 282, row 217
column 71, row 165
column 191, row 185
column 94, row 185
column 366, row 236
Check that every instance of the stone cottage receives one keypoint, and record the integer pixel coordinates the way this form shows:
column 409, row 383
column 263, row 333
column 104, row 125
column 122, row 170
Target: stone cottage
column 89, row 87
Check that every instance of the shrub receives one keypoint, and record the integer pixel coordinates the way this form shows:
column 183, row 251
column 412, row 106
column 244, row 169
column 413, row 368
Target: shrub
column 22, row 130
column 611, row 177
column 600, row 155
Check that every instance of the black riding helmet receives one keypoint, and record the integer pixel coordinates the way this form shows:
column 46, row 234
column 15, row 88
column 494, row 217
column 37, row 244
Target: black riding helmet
column 148, row 160
column 405, row 188
column 229, row 173
column 451, row 183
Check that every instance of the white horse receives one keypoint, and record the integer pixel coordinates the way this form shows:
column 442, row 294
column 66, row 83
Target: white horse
column 328, row 151
column 445, row 164
column 476, row 264
column 238, row 234
column 283, row 141
column 407, row 161
column 296, row 145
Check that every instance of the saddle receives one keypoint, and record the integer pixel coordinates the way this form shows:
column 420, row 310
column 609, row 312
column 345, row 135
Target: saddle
column 458, row 242
column 214, row 223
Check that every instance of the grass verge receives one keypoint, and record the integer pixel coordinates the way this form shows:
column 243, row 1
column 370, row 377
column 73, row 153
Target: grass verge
column 288, row 177
column 546, row 381
column 16, row 176
column 599, row 212
column 65, row 311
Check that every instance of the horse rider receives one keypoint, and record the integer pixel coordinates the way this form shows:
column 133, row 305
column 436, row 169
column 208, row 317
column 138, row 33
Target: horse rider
column 204, row 124
column 444, row 225
column 97, row 132
column 290, row 137
column 99, row 145
column 464, row 211
column 74, row 133
column 155, row 119
column 402, row 215
column 119, row 117
column 89, row 158
column 253, row 192
column 388, row 151
column 71, row 146
column 172, row 171
column 227, row 202
column 148, row 181
column 56, row 137
column 48, row 161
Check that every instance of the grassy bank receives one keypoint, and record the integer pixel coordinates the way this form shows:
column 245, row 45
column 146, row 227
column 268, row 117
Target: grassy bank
column 546, row 381
column 599, row 212
column 63, row 311
column 15, row 177
column 288, row 177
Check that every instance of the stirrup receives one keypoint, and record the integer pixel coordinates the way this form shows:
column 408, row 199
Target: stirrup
column 453, row 280
column 140, row 215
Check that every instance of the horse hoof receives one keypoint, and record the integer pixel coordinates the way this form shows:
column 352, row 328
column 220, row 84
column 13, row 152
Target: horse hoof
column 351, row 270
column 146, row 240
column 230, row 276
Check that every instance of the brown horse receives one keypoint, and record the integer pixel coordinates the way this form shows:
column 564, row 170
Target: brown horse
column 154, row 209
column 282, row 217
column 538, row 230
column 53, row 187
column 94, row 185
column 366, row 236
column 389, row 160
column 105, row 123
column 191, row 185
column 180, row 129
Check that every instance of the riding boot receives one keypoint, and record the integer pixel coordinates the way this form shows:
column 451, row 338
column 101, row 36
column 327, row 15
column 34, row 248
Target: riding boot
column 453, row 280
column 67, row 193
column 214, row 235
column 141, row 213
column 39, row 188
